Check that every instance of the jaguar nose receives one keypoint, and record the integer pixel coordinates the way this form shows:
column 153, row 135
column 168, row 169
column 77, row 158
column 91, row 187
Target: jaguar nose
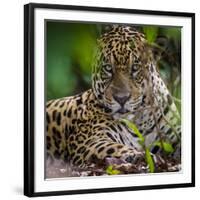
column 121, row 99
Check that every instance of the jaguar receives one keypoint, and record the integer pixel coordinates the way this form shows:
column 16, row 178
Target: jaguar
column 87, row 128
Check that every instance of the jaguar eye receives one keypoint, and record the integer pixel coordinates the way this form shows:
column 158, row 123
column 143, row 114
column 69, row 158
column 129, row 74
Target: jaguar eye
column 107, row 67
column 106, row 71
column 135, row 68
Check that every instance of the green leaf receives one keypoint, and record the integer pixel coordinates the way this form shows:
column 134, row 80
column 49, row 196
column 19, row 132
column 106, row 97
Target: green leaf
column 168, row 147
column 111, row 171
column 133, row 127
column 149, row 160
column 115, row 172
column 156, row 143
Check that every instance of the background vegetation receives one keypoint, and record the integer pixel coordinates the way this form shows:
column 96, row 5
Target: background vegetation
column 70, row 48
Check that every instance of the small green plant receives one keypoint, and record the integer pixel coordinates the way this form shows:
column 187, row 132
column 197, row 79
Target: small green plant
column 148, row 155
column 111, row 171
column 167, row 147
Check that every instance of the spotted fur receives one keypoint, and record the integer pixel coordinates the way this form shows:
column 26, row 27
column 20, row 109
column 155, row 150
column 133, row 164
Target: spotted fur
column 85, row 128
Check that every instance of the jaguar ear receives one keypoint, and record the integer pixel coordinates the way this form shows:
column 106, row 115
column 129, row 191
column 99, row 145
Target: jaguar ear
column 159, row 47
column 107, row 28
column 102, row 29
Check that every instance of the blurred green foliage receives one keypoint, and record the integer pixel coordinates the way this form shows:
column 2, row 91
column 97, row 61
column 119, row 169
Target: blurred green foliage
column 70, row 51
column 69, row 55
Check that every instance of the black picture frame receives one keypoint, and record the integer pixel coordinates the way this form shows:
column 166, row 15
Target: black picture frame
column 29, row 98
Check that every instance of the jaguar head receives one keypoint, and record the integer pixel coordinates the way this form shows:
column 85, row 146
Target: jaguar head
column 119, row 73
